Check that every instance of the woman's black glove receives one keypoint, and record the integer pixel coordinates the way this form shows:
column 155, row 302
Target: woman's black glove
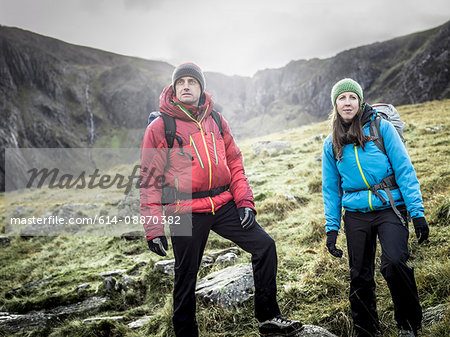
column 421, row 228
column 331, row 243
column 158, row 244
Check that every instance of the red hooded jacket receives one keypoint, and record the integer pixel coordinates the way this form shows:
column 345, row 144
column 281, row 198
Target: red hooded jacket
column 214, row 161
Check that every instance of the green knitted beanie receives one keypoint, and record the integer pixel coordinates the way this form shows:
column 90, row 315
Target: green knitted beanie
column 344, row 85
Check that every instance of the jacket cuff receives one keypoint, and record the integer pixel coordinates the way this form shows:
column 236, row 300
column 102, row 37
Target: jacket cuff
column 419, row 222
column 245, row 203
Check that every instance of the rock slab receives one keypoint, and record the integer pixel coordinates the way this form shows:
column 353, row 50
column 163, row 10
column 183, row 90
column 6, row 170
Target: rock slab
column 314, row 331
column 13, row 323
column 140, row 322
column 229, row 287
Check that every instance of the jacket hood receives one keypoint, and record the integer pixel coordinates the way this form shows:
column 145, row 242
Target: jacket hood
column 171, row 106
column 367, row 114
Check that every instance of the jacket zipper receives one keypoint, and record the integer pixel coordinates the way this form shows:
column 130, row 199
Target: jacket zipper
column 364, row 178
column 197, row 152
column 177, row 188
column 215, row 150
column 204, row 143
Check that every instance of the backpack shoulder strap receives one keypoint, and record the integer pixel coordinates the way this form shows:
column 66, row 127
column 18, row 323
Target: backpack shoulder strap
column 216, row 116
column 170, row 128
column 374, row 130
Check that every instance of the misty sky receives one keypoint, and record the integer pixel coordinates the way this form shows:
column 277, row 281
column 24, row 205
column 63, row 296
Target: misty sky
column 228, row 36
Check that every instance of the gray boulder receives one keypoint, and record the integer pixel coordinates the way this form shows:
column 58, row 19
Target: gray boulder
column 130, row 236
column 98, row 319
column 165, row 267
column 229, row 287
column 435, row 314
column 318, row 138
column 207, row 261
column 140, row 322
column 110, row 284
column 4, row 241
column 89, row 305
column 127, row 283
column 114, row 272
column 82, row 287
column 433, row 129
column 226, row 260
column 314, row 331
column 233, row 250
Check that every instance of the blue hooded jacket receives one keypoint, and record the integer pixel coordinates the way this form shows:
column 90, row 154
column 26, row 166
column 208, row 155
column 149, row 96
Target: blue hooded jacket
column 360, row 169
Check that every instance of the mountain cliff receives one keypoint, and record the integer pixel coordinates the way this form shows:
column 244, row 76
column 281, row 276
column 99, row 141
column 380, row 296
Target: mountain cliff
column 405, row 70
column 55, row 94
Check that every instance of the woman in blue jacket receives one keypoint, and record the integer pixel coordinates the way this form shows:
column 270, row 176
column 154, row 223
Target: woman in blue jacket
column 354, row 173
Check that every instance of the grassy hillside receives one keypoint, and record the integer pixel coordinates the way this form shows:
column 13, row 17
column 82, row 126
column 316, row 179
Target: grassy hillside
column 312, row 285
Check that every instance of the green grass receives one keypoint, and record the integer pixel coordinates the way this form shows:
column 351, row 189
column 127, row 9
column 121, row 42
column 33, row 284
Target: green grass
column 312, row 285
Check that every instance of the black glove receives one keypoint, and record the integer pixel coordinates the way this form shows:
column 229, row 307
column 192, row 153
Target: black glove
column 158, row 244
column 247, row 216
column 331, row 243
column 421, row 228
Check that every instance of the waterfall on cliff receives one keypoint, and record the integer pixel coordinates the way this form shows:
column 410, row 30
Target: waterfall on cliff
column 91, row 118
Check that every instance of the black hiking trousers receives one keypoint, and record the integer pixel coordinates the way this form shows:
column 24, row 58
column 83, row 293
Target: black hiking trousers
column 361, row 230
column 188, row 251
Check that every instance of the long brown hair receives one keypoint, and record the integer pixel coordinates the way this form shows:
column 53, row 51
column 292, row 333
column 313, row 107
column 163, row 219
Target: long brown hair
column 340, row 137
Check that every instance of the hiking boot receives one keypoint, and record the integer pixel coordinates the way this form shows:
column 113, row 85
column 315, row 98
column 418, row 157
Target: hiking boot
column 279, row 326
column 406, row 333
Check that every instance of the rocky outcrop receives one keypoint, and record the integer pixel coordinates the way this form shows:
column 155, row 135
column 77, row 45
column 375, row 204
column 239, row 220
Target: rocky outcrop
column 29, row 285
column 404, row 70
column 229, row 287
column 13, row 323
column 52, row 92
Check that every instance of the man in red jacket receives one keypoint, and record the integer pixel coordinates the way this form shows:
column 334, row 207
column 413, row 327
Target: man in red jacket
column 201, row 186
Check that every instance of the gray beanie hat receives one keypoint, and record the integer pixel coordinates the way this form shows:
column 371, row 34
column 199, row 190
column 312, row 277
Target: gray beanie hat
column 189, row 69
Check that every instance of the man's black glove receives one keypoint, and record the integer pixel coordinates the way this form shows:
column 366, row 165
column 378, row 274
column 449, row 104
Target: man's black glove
column 247, row 216
column 331, row 243
column 158, row 244
column 421, row 228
